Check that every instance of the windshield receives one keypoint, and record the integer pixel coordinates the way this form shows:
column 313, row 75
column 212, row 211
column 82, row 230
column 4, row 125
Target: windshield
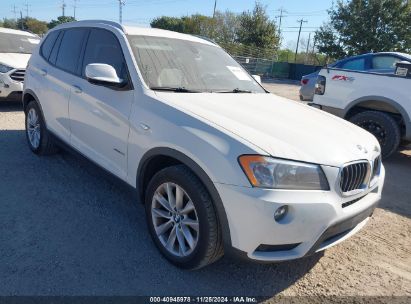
column 167, row 63
column 12, row 43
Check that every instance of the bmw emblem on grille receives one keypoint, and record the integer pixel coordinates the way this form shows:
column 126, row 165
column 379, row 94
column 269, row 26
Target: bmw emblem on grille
column 361, row 148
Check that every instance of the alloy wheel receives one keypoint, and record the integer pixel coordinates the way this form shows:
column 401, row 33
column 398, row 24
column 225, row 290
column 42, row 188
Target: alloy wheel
column 33, row 128
column 175, row 219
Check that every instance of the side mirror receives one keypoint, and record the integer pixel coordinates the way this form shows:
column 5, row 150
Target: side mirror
column 257, row 78
column 103, row 74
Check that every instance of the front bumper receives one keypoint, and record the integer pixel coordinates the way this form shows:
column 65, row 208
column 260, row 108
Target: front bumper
column 9, row 88
column 316, row 219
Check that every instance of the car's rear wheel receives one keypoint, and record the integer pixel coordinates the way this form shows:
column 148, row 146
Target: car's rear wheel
column 383, row 127
column 38, row 138
column 182, row 219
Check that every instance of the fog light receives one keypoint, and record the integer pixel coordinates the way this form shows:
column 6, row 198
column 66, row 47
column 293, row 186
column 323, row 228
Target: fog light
column 280, row 213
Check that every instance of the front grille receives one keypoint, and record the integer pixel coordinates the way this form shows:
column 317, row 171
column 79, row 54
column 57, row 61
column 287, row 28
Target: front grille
column 18, row 75
column 354, row 176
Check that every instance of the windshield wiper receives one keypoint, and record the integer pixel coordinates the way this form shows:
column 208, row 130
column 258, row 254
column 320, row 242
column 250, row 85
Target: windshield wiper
column 236, row 90
column 174, row 89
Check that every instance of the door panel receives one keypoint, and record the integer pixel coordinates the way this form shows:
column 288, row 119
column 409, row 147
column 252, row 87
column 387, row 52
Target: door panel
column 99, row 115
column 55, row 83
column 99, row 124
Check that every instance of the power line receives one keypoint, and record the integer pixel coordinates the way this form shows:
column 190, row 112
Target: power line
column 298, row 40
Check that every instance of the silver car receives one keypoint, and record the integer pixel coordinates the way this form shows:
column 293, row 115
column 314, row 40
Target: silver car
column 308, row 86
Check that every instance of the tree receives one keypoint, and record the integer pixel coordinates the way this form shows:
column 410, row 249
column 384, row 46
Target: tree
column 168, row 23
column 226, row 27
column 35, row 26
column 60, row 20
column 256, row 28
column 362, row 26
column 9, row 23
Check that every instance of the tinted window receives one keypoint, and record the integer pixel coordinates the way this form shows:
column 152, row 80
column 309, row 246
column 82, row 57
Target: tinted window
column 70, row 49
column 55, row 50
column 384, row 62
column 103, row 47
column 48, row 44
column 356, row 65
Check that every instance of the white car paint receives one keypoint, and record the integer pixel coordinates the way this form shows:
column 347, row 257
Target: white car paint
column 116, row 129
column 345, row 88
column 16, row 61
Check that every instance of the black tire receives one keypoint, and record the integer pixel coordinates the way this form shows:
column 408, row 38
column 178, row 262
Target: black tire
column 209, row 247
column 46, row 144
column 383, row 127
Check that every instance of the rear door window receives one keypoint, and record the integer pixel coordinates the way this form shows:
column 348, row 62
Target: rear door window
column 70, row 49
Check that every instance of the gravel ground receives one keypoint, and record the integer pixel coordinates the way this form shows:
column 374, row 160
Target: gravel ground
column 68, row 228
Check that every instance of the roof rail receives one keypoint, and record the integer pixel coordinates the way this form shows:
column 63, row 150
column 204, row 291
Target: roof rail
column 107, row 22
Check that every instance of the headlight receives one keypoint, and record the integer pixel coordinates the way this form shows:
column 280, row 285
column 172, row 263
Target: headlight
column 4, row 68
column 268, row 172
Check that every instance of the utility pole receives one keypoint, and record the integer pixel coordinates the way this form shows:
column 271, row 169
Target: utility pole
column 215, row 6
column 14, row 11
column 298, row 40
column 74, row 7
column 63, row 8
column 21, row 21
column 281, row 15
column 121, row 3
column 26, row 5
column 308, row 46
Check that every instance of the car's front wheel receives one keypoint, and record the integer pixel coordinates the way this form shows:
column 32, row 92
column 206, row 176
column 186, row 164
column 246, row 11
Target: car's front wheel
column 38, row 137
column 182, row 218
column 383, row 127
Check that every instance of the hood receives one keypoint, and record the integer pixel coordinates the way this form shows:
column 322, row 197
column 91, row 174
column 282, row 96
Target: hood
column 281, row 127
column 15, row 60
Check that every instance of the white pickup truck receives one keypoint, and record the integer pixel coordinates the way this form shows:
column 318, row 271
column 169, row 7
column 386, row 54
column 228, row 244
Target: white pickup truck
column 379, row 103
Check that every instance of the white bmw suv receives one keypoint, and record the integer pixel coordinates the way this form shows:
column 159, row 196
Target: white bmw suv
column 220, row 164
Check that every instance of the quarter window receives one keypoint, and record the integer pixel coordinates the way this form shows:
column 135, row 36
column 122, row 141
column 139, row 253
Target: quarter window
column 103, row 47
column 70, row 49
column 48, row 44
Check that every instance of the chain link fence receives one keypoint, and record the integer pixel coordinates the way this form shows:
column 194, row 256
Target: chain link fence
column 269, row 62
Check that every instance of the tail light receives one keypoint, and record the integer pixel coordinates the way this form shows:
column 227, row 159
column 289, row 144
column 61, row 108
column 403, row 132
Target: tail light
column 304, row 81
column 320, row 85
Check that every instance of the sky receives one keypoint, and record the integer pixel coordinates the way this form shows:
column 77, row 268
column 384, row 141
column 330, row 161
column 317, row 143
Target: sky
column 141, row 12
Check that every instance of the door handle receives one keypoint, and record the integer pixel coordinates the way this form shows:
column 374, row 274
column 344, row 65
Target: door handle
column 77, row 89
column 43, row 72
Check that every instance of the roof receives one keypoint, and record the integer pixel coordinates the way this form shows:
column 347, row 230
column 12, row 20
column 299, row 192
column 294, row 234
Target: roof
column 16, row 32
column 133, row 30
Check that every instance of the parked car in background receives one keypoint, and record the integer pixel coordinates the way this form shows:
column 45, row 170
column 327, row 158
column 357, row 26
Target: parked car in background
column 376, row 100
column 220, row 164
column 15, row 50
column 373, row 62
column 308, row 86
